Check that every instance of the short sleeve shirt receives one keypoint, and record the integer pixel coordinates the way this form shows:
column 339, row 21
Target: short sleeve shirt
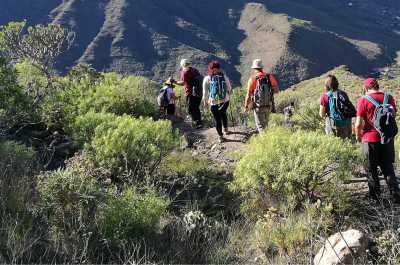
column 187, row 77
column 253, row 86
column 365, row 110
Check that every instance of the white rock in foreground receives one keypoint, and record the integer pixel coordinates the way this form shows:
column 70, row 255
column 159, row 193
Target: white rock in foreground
column 342, row 248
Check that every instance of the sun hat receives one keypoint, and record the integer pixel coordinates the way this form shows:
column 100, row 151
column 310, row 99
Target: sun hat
column 185, row 63
column 257, row 64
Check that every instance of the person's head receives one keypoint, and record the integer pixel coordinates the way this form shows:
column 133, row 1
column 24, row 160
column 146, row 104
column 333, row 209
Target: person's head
column 257, row 65
column 185, row 63
column 331, row 83
column 371, row 84
column 170, row 82
column 214, row 68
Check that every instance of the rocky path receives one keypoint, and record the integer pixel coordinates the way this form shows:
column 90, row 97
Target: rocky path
column 205, row 141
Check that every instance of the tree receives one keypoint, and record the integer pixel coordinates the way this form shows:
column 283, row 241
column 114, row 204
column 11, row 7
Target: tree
column 39, row 45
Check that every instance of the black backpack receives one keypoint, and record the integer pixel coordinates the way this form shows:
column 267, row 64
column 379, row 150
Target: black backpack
column 384, row 120
column 162, row 98
column 263, row 92
column 340, row 107
column 197, row 83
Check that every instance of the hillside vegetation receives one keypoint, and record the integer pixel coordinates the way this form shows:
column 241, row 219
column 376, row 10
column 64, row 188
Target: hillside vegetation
column 90, row 173
column 296, row 39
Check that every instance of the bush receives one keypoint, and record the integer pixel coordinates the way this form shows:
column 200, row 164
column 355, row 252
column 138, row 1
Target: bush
column 291, row 233
column 17, row 168
column 83, row 129
column 68, row 201
column 131, row 215
column 189, row 177
column 131, row 147
column 15, row 105
column 292, row 168
column 131, row 95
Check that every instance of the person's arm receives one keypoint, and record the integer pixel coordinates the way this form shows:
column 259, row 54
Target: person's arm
column 358, row 128
column 206, row 84
column 228, row 85
column 322, row 112
column 249, row 94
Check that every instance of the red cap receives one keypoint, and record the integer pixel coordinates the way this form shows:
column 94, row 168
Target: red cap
column 370, row 82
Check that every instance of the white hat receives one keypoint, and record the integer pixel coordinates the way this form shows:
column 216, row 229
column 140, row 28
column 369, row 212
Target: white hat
column 257, row 64
column 185, row 63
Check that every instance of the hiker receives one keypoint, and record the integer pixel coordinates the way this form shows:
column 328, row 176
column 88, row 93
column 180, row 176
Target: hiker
column 376, row 128
column 337, row 109
column 260, row 89
column 288, row 112
column 166, row 98
column 192, row 81
column 217, row 90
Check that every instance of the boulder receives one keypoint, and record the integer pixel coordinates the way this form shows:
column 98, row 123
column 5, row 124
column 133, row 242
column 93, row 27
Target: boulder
column 342, row 248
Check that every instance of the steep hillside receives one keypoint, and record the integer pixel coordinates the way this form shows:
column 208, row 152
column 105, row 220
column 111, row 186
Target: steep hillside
column 297, row 39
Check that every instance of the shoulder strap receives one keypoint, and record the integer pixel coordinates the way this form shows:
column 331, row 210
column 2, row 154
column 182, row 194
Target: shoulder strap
column 372, row 100
column 386, row 99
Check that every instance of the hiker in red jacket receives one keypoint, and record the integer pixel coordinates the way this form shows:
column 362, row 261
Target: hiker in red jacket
column 192, row 81
column 378, row 137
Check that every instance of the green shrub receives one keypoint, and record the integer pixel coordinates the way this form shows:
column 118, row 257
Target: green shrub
column 15, row 105
column 17, row 168
column 32, row 78
column 285, row 98
column 131, row 215
column 294, row 167
column 307, row 118
column 83, row 129
column 68, row 201
column 133, row 146
column 291, row 233
column 191, row 177
column 131, row 95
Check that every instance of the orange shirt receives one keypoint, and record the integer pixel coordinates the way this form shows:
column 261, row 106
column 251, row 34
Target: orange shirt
column 253, row 84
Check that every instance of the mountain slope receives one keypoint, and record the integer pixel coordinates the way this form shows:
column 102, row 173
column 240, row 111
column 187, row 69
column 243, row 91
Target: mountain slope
column 297, row 39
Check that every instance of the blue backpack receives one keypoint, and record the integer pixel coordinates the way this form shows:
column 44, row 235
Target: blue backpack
column 384, row 120
column 341, row 110
column 218, row 90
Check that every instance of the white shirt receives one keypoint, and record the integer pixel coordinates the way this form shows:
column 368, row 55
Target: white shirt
column 206, row 90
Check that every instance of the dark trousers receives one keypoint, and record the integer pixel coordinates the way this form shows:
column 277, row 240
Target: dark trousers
column 170, row 109
column 383, row 156
column 220, row 117
column 193, row 105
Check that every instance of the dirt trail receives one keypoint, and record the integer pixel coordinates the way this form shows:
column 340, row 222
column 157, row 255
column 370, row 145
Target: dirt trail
column 205, row 141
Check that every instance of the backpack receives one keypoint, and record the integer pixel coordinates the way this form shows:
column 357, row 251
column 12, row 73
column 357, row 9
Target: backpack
column 197, row 83
column 162, row 98
column 340, row 107
column 263, row 92
column 218, row 88
column 384, row 120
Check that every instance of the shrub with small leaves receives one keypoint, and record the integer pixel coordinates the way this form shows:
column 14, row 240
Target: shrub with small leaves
column 291, row 168
column 131, row 147
column 131, row 215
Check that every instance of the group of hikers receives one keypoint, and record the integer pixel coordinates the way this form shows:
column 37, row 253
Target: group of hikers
column 375, row 128
column 216, row 89
column 375, row 125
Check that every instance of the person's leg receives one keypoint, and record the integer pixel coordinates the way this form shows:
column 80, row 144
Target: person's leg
column 386, row 161
column 196, row 110
column 344, row 132
column 267, row 113
column 329, row 124
column 217, row 117
column 259, row 117
column 171, row 109
column 371, row 167
column 224, row 116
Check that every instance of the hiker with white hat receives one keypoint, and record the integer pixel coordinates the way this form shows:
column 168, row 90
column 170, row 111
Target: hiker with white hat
column 260, row 89
column 192, row 81
column 166, row 98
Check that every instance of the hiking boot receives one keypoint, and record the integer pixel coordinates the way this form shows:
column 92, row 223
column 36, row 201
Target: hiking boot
column 221, row 140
